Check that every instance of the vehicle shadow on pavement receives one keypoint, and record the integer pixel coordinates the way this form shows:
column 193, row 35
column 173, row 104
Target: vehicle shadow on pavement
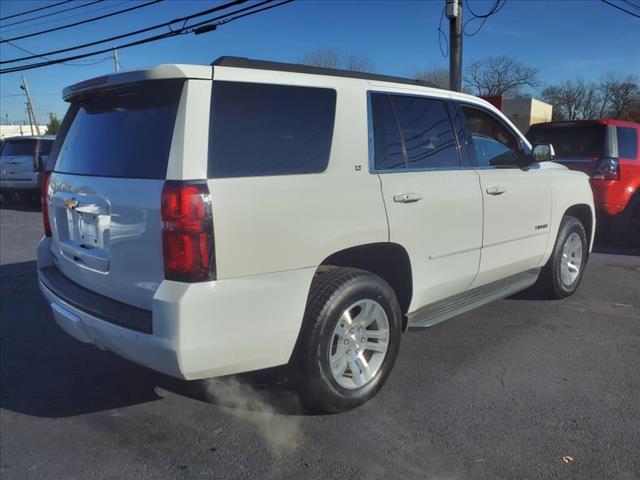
column 46, row 373
column 18, row 205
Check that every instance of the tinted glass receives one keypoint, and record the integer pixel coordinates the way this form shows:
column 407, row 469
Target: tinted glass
column 261, row 129
column 571, row 140
column 387, row 146
column 493, row 143
column 18, row 147
column 627, row 142
column 428, row 136
column 45, row 147
column 121, row 133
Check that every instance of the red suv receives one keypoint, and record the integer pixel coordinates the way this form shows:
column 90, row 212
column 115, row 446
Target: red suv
column 606, row 150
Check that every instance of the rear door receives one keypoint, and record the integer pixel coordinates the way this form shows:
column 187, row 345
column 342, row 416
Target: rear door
column 105, row 189
column 434, row 206
column 517, row 200
column 17, row 159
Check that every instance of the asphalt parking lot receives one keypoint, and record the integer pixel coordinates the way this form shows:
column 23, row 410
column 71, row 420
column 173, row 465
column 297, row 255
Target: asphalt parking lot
column 506, row 391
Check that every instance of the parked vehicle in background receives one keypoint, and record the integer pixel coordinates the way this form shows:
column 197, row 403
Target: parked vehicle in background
column 609, row 152
column 255, row 214
column 22, row 163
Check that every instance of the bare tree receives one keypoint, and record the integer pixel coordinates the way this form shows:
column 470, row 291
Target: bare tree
column 500, row 76
column 330, row 58
column 623, row 93
column 438, row 76
column 323, row 57
column 612, row 96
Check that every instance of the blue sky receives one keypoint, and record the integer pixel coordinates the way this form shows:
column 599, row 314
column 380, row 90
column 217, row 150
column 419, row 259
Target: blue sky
column 565, row 39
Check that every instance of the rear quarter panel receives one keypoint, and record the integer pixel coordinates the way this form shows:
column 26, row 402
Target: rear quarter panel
column 274, row 223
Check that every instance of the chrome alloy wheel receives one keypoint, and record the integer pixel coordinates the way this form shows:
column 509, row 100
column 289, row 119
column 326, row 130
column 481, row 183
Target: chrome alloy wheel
column 571, row 260
column 359, row 344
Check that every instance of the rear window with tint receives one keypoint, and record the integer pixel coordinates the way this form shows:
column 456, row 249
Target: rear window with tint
column 18, row 147
column 571, row 140
column 260, row 129
column 124, row 132
column 627, row 142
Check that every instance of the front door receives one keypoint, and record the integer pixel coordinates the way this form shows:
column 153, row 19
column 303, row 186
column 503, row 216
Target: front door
column 434, row 206
column 517, row 199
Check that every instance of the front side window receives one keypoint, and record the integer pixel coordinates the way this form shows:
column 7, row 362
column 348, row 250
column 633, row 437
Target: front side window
column 493, row 144
column 260, row 129
column 412, row 132
column 627, row 142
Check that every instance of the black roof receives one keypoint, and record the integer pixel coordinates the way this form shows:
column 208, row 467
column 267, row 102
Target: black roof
column 242, row 62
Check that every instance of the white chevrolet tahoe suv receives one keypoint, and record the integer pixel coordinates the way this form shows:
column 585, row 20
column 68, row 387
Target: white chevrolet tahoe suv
column 209, row 220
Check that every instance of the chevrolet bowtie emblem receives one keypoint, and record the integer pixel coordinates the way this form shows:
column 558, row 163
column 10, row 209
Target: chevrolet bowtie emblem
column 71, row 203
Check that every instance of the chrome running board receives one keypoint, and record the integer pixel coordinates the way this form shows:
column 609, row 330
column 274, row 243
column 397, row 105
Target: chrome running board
column 437, row 312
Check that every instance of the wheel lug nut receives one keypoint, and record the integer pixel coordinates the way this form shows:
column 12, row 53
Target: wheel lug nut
column 348, row 352
column 346, row 342
column 362, row 339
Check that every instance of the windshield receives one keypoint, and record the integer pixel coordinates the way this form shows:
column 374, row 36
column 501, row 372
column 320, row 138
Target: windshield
column 14, row 148
column 125, row 132
column 571, row 140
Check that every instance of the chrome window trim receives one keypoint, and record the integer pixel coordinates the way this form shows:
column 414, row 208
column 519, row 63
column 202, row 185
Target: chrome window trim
column 371, row 137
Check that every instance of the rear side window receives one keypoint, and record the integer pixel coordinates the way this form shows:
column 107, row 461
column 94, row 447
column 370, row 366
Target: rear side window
column 570, row 140
column 124, row 132
column 261, row 129
column 387, row 144
column 18, row 147
column 627, row 142
column 428, row 136
column 412, row 132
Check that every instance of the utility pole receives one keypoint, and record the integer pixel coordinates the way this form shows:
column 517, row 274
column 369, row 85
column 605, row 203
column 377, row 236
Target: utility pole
column 116, row 62
column 25, row 87
column 29, row 114
column 454, row 14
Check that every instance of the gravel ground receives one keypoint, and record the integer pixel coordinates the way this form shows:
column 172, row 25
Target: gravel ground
column 505, row 391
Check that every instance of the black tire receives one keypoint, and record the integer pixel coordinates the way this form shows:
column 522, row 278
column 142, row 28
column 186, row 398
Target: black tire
column 332, row 292
column 551, row 283
column 633, row 222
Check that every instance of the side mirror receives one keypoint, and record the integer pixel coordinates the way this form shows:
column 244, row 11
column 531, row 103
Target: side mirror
column 543, row 152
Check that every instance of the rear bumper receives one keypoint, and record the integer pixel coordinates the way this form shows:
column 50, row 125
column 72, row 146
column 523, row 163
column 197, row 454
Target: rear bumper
column 21, row 183
column 199, row 330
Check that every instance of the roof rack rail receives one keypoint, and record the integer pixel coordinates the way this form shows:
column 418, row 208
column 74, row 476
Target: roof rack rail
column 243, row 62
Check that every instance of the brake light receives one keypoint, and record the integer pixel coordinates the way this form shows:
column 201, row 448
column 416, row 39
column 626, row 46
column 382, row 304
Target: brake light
column 606, row 169
column 187, row 231
column 44, row 195
column 36, row 154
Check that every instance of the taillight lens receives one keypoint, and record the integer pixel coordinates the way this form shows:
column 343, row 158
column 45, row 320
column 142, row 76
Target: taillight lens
column 187, row 231
column 44, row 195
column 606, row 169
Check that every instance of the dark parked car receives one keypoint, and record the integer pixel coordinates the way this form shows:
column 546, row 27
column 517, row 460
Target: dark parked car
column 22, row 161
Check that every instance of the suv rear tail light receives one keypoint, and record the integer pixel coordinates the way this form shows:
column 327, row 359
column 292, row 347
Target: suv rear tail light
column 187, row 231
column 44, row 194
column 606, row 169
column 36, row 154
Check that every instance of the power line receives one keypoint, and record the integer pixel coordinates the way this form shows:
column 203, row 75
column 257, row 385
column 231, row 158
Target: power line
column 635, row 5
column 82, row 22
column 34, row 10
column 198, row 28
column 621, row 9
column 495, row 8
column 52, row 13
column 109, row 5
column 84, row 64
column 182, row 20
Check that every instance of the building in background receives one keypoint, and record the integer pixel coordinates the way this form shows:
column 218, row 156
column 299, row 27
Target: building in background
column 522, row 111
column 7, row 131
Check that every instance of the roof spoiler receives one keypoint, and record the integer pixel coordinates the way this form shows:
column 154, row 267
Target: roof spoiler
column 161, row 72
